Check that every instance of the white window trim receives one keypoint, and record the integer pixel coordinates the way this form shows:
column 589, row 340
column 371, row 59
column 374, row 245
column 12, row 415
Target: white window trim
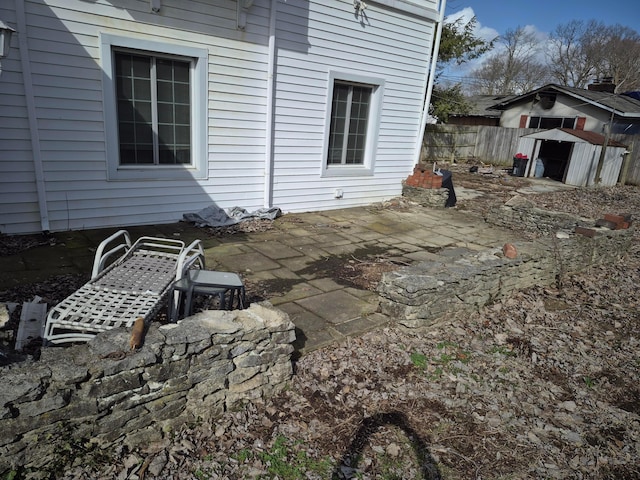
column 198, row 168
column 373, row 126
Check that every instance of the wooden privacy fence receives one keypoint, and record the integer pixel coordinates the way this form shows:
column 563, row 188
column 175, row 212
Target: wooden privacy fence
column 494, row 145
column 498, row 145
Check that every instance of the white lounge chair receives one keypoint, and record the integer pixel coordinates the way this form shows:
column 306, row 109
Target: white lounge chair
column 123, row 288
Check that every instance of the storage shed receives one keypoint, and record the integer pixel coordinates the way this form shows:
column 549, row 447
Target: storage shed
column 571, row 156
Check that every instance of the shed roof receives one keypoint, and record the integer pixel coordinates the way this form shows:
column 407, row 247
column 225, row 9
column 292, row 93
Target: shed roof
column 574, row 136
column 480, row 105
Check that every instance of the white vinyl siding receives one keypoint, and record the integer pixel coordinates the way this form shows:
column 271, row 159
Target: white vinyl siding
column 317, row 43
column 65, row 61
column 74, row 134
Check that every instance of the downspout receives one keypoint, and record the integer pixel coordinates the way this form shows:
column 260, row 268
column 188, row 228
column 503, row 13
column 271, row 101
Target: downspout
column 268, row 150
column 431, row 72
column 31, row 114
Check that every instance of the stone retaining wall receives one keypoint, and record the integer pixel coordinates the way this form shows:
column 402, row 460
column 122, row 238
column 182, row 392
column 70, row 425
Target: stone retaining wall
column 100, row 393
column 427, row 197
column 418, row 295
column 523, row 214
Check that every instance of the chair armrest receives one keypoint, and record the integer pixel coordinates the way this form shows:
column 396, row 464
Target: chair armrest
column 102, row 256
column 192, row 254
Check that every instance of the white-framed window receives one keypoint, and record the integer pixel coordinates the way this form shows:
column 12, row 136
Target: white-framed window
column 155, row 109
column 354, row 103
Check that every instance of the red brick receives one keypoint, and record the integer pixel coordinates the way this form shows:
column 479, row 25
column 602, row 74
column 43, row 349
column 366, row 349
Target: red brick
column 509, row 250
column 621, row 221
column 587, row 232
column 412, row 182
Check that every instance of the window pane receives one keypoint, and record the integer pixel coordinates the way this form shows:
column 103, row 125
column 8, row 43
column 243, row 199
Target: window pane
column 358, row 125
column 181, row 72
column 165, row 113
column 167, row 156
column 338, row 122
column 145, row 128
column 143, row 112
column 183, row 154
column 126, row 112
column 127, row 154
column 182, row 134
column 164, row 69
column 181, row 91
column 125, row 132
column 141, row 66
column 124, row 87
column 183, row 114
column 568, row 123
column 123, row 64
column 550, row 122
column 166, row 134
column 141, row 89
column 144, row 154
column 165, row 91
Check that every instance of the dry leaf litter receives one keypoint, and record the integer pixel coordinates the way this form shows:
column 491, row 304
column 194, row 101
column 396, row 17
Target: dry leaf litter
column 544, row 384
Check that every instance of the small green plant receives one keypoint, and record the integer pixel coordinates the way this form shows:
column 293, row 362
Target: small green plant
column 243, row 455
column 200, row 475
column 444, row 358
column 437, row 373
column 11, row 475
column 502, row 350
column 589, row 382
column 283, row 464
column 419, row 360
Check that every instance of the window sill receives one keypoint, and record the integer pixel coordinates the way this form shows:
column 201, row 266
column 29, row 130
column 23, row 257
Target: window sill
column 347, row 171
column 156, row 172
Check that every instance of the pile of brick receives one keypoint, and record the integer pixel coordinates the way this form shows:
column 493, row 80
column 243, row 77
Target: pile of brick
column 609, row 221
column 424, row 177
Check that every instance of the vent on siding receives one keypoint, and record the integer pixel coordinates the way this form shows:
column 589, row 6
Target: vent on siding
column 546, row 100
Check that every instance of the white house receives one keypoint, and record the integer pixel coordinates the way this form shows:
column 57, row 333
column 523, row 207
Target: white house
column 123, row 112
column 555, row 106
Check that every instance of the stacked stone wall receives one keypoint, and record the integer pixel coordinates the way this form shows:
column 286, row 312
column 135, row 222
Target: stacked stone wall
column 418, row 295
column 101, row 394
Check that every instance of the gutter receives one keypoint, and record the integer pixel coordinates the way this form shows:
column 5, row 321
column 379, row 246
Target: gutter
column 31, row 114
column 431, row 73
column 269, row 134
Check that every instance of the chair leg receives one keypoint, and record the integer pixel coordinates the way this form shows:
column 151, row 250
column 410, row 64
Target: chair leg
column 175, row 298
column 221, row 295
column 242, row 298
column 188, row 303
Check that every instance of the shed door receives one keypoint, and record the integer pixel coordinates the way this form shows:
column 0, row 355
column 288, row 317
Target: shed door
column 555, row 157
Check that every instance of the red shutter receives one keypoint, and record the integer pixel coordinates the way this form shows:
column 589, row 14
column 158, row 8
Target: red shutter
column 580, row 123
column 523, row 121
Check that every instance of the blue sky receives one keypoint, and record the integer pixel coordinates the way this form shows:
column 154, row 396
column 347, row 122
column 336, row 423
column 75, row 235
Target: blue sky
column 545, row 15
column 495, row 17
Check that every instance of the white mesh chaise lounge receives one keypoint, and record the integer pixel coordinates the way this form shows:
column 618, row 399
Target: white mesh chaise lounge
column 124, row 288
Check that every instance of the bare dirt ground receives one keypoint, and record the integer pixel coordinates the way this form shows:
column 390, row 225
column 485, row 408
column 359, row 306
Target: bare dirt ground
column 544, row 384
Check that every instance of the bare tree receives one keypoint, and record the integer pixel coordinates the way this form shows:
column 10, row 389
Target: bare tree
column 568, row 54
column 581, row 52
column 515, row 68
column 620, row 57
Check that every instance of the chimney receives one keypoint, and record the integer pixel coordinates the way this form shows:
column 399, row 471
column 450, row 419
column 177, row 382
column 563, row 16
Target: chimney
column 604, row 85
